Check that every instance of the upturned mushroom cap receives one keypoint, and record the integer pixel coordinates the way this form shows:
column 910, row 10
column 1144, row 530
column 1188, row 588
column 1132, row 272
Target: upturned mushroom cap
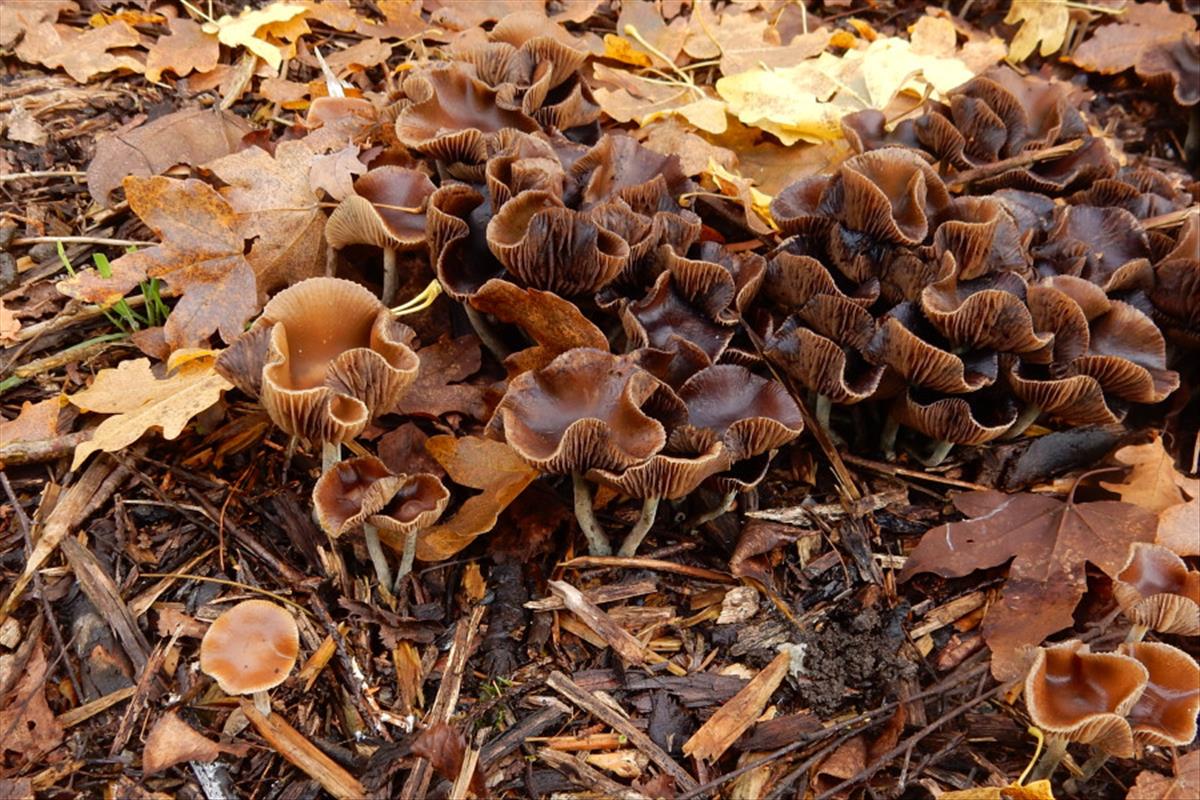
column 620, row 166
column 799, row 209
column 456, row 227
column 982, row 236
column 1156, row 589
column 252, row 647
column 1078, row 399
column 890, row 195
column 971, row 419
column 715, row 265
column 1174, row 65
column 824, row 356
column 1165, row 714
column 985, row 314
column 334, row 358
column 1128, row 356
column 1106, row 246
column 373, row 215
column 585, row 410
column 669, row 475
column 749, row 413
column 1084, row 696
column 792, row 279
column 905, row 342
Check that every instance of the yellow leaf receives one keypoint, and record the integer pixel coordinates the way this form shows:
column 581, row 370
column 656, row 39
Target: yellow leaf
column 1038, row 790
column 864, row 28
column 707, row 114
column 1042, row 21
column 790, row 102
column 843, row 39
column 733, row 185
column 139, row 400
column 242, row 30
column 619, row 49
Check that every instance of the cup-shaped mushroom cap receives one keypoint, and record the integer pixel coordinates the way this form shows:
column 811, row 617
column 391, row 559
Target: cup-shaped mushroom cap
column 1084, row 696
column 250, row 648
column 387, row 209
column 585, row 410
column 526, row 162
column 799, row 209
column 1173, row 65
column 985, row 314
column 823, row 353
column 350, row 491
column 1106, row 246
column 1078, row 399
column 906, row 343
column 982, row 236
column 891, row 195
column 556, row 249
column 668, row 475
column 1128, row 356
column 1055, row 310
column 453, row 116
column 335, row 357
column 749, row 413
column 792, row 279
column 1165, row 714
column 620, row 166
column 970, row 419
column 1157, row 590
column 866, row 130
column 456, row 226
column 417, row 503
column 715, row 264
column 669, row 315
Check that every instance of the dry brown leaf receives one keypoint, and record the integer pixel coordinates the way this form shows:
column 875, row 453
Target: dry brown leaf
column 192, row 136
column 1178, row 529
column 1153, row 481
column 1049, row 541
column 18, row 18
column 364, row 55
column 200, row 259
column 185, row 50
column 437, row 390
column 334, row 172
column 490, row 466
column 1185, row 785
column 276, row 205
column 444, row 748
column 37, row 421
column 22, row 126
column 83, row 54
column 1117, row 46
column 739, row 712
column 289, row 94
column 172, row 741
column 557, row 325
column 670, row 138
column 848, row 760
column 140, row 400
column 9, row 324
column 27, row 725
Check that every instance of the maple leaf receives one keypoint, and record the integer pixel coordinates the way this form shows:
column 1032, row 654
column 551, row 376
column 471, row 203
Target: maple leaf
column 1048, row 541
column 140, row 400
column 1185, row 785
column 36, row 421
column 276, row 205
column 1153, row 481
column 1143, row 26
column 491, row 466
column 200, row 259
column 1043, row 21
column 245, row 30
column 436, row 390
column 186, row 49
column 83, row 54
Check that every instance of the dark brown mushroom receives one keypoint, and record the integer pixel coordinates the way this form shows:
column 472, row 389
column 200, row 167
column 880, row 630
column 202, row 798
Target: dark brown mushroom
column 749, row 413
column 969, row 419
column 908, row 344
column 988, row 313
column 1127, row 356
column 1106, row 246
column 890, row 195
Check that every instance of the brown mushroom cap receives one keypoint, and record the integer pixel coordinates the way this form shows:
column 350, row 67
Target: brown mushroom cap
column 1084, row 696
column 969, row 419
column 906, row 343
column 372, row 214
column 749, row 413
column 1128, row 356
column 1156, row 589
column 1106, row 246
column 826, row 359
column 352, row 490
column 418, row 502
column 252, row 647
column 666, row 475
column 890, row 194
column 1175, row 63
column 985, row 314
column 1165, row 714
column 1078, row 400
column 584, row 410
column 792, row 279
column 456, row 226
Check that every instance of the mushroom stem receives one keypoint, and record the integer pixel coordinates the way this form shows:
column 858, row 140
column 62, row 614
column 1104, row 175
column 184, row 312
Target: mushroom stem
column 887, row 440
column 390, row 279
column 645, row 522
column 382, row 571
column 406, row 560
column 1090, row 767
column 941, row 449
column 331, row 454
column 720, row 509
column 486, row 333
column 824, row 409
column 1028, row 416
column 597, row 541
column 1056, row 749
column 262, row 702
column 1137, row 633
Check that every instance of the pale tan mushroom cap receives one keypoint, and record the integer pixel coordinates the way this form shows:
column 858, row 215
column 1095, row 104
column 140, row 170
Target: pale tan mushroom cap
column 250, row 648
column 1165, row 714
column 1156, row 589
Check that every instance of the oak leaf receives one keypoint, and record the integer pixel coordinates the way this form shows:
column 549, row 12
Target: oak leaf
column 356, row 58
column 437, row 390
column 334, row 172
column 200, row 259
column 490, row 466
column 1142, row 27
column 1153, row 481
column 27, row 725
column 20, row 18
column 37, row 421
column 185, row 50
column 1048, row 541
column 140, row 400
column 276, row 205
column 1042, row 22
column 82, row 54
column 244, row 30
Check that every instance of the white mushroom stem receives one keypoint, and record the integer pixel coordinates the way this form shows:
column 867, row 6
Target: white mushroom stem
column 722, row 508
column 824, row 409
column 382, row 571
column 638, row 533
column 331, row 454
column 1056, row 749
column 941, row 449
column 597, row 541
column 390, row 279
column 486, row 333
column 1028, row 416
column 262, row 702
column 1137, row 633
column 406, row 560
column 887, row 440
column 1095, row 761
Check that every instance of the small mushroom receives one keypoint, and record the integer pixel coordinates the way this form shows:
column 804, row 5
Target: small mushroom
column 748, row 413
column 363, row 493
column 1075, row 695
column 1157, row 591
column 251, row 649
column 970, row 419
column 1165, row 714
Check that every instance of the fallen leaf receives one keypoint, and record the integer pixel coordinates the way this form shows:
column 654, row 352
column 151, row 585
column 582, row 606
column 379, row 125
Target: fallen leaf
column 334, row 172
column 1048, row 541
column 9, row 324
column 140, row 400
column 1042, row 21
column 670, row 137
column 192, row 136
column 1118, row 46
column 848, row 760
column 444, row 748
column 1177, row 528
column 243, row 30
column 621, row 49
column 200, row 259
column 1037, row 790
column 20, row 18
column 289, row 94
column 36, row 421
column 402, row 449
column 437, row 390
column 185, row 50
column 1153, row 481
column 800, row 103
column 364, row 55
column 276, row 206
column 630, row 98
column 21, row 126
column 83, row 54
column 172, row 741
column 490, row 466
column 738, row 713
column 1185, row 785
column 756, row 204
column 557, row 325
column 27, row 725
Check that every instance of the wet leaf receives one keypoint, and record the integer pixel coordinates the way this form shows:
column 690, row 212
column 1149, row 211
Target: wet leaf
column 83, row 54
column 139, row 400
column 492, row 467
column 172, row 741
column 437, row 390
column 27, row 725
column 1184, row 785
column 185, row 50
column 1048, row 541
column 1043, row 22
column 444, row 748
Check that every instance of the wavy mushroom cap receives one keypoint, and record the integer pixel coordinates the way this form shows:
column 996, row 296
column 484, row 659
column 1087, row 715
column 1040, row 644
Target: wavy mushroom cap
column 387, row 209
column 1156, row 589
column 982, row 236
column 971, row 419
column 1077, row 400
column 669, row 475
column 749, row 413
column 801, row 207
column 1176, row 292
column 908, row 344
column 1084, row 696
column 890, row 195
column 1165, row 714
column 985, row 314
column 553, row 248
column 251, row 647
column 714, row 265
column 1128, row 356
column 586, row 409
column 1106, row 246
column 1174, row 65
column 456, row 226
column 1060, row 306
column 620, row 166
column 824, row 356
column 867, row 130
column 792, row 279
column 333, row 358
column 345, row 495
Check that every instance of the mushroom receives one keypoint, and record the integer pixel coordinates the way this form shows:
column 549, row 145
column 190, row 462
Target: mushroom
column 971, row 419
column 587, row 409
column 1165, row 714
column 387, row 210
column 324, row 358
column 1075, row 695
column 1157, row 591
column 250, row 649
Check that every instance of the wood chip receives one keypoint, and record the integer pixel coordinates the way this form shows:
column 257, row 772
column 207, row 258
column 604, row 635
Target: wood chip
column 736, row 716
column 304, row 755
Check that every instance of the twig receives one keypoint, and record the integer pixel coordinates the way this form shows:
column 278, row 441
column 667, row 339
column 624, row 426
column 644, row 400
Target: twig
column 699, row 573
column 46, row 173
column 891, row 469
column 81, row 240
column 963, row 179
column 299, row 751
column 41, row 450
column 586, row 775
column 69, row 316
